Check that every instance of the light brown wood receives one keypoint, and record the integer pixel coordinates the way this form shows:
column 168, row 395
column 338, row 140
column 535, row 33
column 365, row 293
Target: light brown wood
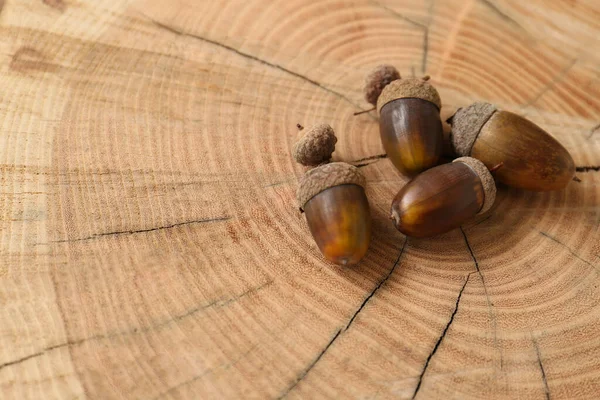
column 151, row 246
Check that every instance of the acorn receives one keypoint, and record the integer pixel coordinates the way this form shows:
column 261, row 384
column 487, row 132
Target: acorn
column 315, row 146
column 409, row 119
column 532, row 158
column 334, row 202
column 443, row 198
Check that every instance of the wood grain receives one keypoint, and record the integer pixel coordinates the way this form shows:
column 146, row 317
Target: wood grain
column 151, row 248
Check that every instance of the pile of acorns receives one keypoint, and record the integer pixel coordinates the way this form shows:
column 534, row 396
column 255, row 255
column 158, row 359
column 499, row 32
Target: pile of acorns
column 439, row 198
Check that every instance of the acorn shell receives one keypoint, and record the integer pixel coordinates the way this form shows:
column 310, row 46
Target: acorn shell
column 412, row 135
column 339, row 220
column 409, row 124
column 442, row 198
column 337, row 211
column 532, row 159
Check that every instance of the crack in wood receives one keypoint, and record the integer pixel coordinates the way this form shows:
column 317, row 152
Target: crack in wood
column 374, row 159
column 379, row 285
column 253, row 58
column 311, row 365
column 568, row 248
column 305, row 372
column 490, row 305
column 137, row 331
column 425, row 50
column 588, row 168
column 39, row 353
column 202, row 375
column 423, row 27
column 593, row 131
column 131, row 232
column 501, row 13
column 439, row 341
column 553, row 82
column 539, row 359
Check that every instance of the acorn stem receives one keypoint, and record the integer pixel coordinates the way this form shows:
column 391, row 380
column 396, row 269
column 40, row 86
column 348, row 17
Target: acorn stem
column 496, row 167
column 300, row 127
column 364, row 111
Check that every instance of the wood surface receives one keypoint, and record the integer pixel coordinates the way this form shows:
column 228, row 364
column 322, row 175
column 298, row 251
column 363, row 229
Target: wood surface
column 150, row 243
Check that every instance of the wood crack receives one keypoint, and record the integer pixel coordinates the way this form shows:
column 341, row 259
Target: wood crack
column 202, row 375
column 39, row 353
column 490, row 305
column 423, row 27
column 550, row 85
column 501, row 13
column 373, row 160
column 588, row 168
column 441, row 338
column 253, row 58
column 305, row 372
column 593, row 131
column 131, row 232
column 539, row 360
column 136, row 331
column 312, row 364
column 568, row 248
column 379, row 285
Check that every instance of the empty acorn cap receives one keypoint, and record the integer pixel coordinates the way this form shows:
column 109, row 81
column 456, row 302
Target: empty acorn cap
column 487, row 180
column 466, row 125
column 377, row 79
column 315, row 146
column 417, row 88
column 325, row 176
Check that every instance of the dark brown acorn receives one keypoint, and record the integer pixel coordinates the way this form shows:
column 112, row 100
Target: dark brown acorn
column 337, row 211
column 533, row 160
column 409, row 122
column 443, row 198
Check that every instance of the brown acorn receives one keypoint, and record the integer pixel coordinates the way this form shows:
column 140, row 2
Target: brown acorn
column 334, row 202
column 533, row 160
column 443, row 198
column 315, row 146
column 409, row 121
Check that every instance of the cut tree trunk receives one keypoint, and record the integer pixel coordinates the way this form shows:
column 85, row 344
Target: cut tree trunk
column 151, row 245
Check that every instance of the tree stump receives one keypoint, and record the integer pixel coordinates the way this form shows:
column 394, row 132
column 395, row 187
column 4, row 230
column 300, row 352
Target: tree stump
column 152, row 248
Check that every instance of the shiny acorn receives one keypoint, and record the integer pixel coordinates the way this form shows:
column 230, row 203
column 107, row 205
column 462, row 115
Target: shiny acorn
column 532, row 158
column 443, row 198
column 409, row 119
column 334, row 202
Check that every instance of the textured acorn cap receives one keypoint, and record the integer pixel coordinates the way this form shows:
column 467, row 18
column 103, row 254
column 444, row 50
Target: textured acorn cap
column 315, row 146
column 466, row 125
column 325, row 176
column 417, row 88
column 487, row 180
column 377, row 79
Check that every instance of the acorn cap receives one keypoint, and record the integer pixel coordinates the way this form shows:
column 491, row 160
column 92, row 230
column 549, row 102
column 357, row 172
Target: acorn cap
column 417, row 88
column 315, row 146
column 377, row 79
column 466, row 125
column 487, row 180
column 325, row 176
